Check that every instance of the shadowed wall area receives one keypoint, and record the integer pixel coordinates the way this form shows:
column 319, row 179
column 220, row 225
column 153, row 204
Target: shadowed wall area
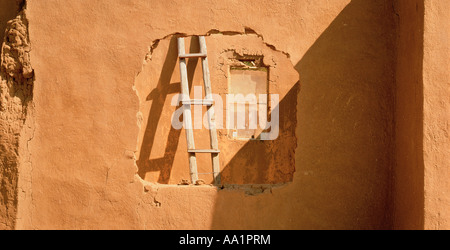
column 158, row 96
column 408, row 187
column 345, row 134
column 8, row 10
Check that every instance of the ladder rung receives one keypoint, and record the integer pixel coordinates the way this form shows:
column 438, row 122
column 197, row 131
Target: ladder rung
column 199, row 102
column 204, row 151
column 193, row 55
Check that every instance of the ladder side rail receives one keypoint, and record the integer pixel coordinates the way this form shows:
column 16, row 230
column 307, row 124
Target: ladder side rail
column 187, row 118
column 210, row 113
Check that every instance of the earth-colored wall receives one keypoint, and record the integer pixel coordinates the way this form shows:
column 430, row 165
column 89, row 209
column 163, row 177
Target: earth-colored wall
column 16, row 84
column 408, row 185
column 8, row 10
column 87, row 55
column 436, row 120
column 421, row 174
column 373, row 95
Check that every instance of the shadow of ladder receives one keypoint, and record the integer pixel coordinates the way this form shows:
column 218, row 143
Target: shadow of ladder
column 187, row 118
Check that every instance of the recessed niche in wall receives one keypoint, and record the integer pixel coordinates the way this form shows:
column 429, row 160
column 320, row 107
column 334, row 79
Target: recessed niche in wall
column 239, row 64
column 248, row 79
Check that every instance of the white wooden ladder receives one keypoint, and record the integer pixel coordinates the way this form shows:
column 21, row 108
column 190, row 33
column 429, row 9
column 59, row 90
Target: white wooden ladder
column 209, row 103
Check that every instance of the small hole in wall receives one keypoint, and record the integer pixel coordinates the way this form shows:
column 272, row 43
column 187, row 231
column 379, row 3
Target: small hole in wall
column 251, row 63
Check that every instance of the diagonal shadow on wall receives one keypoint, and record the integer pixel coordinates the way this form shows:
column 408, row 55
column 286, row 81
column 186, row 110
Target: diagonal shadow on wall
column 258, row 162
column 164, row 87
column 345, row 134
column 408, row 187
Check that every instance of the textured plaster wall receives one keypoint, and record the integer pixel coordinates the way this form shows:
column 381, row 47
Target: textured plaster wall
column 421, row 173
column 408, row 188
column 8, row 10
column 86, row 56
column 436, row 120
column 16, row 90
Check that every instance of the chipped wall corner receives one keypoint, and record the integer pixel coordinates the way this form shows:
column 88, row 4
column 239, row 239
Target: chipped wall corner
column 16, row 93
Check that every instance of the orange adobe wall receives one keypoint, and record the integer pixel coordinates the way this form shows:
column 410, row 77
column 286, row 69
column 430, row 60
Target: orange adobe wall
column 436, row 120
column 408, row 187
column 364, row 116
column 421, row 198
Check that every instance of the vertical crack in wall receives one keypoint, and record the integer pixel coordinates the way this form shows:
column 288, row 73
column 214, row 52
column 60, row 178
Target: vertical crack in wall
column 16, row 91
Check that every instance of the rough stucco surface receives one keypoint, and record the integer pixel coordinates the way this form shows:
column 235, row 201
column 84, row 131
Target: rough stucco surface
column 86, row 55
column 436, row 120
column 16, row 85
column 421, row 173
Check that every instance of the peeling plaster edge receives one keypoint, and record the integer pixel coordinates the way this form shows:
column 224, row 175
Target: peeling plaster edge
column 247, row 31
column 24, row 194
column 25, row 205
column 249, row 189
column 31, row 115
